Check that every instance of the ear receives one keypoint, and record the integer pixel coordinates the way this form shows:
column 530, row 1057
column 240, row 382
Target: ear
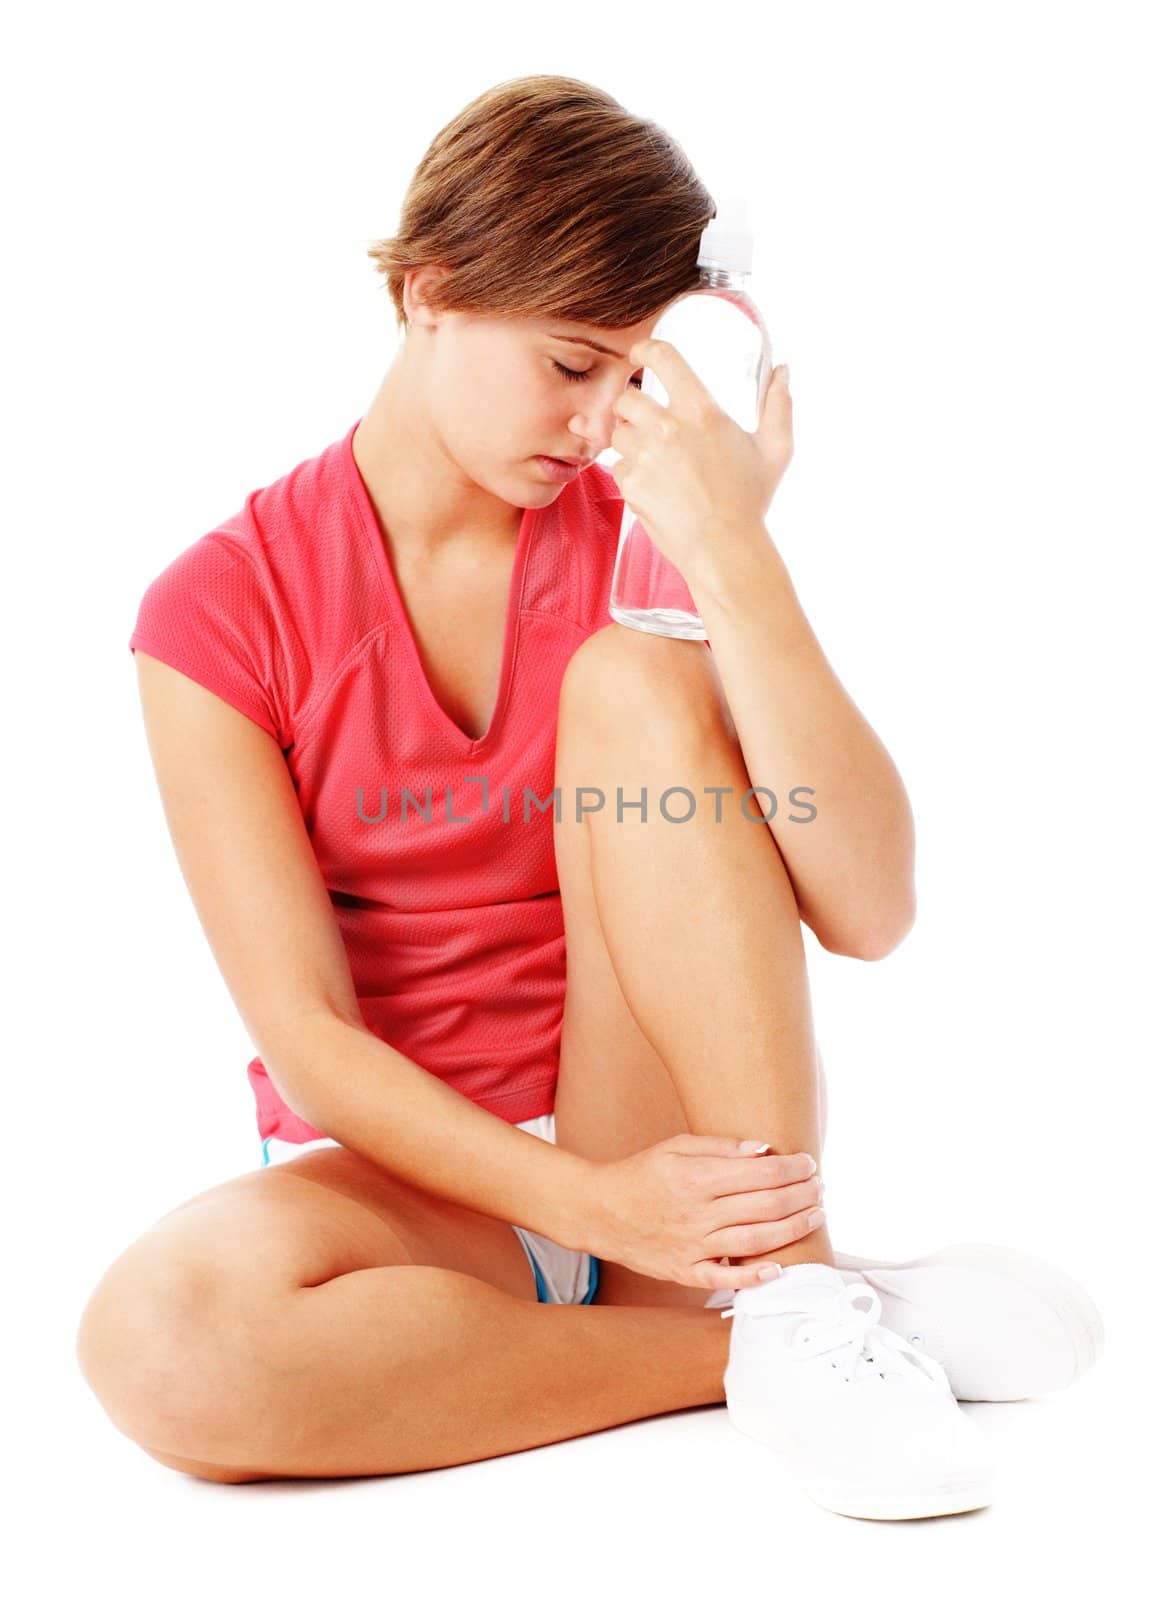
column 415, row 288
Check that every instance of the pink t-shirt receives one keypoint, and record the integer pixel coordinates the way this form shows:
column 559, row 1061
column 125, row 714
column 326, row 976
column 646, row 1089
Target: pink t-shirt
column 451, row 919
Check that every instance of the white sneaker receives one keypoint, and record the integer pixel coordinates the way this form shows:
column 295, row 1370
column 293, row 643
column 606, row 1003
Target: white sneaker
column 866, row 1421
column 1005, row 1325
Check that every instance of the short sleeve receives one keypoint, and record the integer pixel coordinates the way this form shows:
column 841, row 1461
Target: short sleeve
column 208, row 616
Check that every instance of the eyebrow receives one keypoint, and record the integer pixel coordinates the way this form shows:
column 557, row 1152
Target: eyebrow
column 572, row 338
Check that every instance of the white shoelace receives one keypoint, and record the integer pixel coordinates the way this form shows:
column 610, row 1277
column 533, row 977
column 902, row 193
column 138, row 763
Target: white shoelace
column 865, row 1348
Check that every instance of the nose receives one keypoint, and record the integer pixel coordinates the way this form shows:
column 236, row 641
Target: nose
column 588, row 441
column 593, row 427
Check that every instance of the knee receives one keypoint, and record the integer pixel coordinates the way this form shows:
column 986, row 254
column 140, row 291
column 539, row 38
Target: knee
column 622, row 678
column 135, row 1339
column 207, row 1470
column 151, row 1344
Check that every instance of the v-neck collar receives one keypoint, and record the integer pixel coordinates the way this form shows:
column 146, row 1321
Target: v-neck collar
column 366, row 514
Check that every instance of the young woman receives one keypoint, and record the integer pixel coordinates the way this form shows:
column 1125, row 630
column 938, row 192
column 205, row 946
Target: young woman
column 430, row 805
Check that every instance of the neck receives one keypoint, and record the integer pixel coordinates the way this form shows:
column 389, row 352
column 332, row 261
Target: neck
column 423, row 499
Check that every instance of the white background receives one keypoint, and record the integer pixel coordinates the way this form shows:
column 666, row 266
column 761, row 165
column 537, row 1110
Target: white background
column 958, row 220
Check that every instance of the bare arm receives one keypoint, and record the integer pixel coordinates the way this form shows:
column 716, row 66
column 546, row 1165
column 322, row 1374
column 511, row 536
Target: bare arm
column 247, row 860
column 371, row 1098
column 851, row 860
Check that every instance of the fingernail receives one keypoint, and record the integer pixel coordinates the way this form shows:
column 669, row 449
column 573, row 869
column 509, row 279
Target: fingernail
column 812, row 1166
column 783, row 372
column 815, row 1219
column 771, row 1271
column 754, row 1147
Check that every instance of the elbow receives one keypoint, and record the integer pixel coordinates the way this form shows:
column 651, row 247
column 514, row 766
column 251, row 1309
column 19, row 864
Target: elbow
column 868, row 943
column 879, row 943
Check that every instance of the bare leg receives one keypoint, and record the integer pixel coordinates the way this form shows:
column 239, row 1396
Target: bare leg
column 497, row 1374
column 702, row 926
column 698, row 917
column 403, row 1368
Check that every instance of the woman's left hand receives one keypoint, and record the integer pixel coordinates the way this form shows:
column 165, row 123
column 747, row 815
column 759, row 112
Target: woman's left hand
column 689, row 472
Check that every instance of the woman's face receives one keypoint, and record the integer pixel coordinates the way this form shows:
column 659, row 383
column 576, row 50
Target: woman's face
column 502, row 391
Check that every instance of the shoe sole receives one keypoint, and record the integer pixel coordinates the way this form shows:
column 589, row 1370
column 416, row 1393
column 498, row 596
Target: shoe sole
column 1072, row 1303
column 962, row 1491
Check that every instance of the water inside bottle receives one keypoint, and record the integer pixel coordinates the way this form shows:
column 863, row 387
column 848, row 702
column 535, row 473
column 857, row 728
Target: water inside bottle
column 723, row 339
column 664, row 620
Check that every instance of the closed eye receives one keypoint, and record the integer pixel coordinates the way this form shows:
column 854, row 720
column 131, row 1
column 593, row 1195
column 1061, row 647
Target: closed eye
column 573, row 376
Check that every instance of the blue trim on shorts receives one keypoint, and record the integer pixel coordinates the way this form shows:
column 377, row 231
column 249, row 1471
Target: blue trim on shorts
column 543, row 1297
column 266, row 1161
column 594, row 1283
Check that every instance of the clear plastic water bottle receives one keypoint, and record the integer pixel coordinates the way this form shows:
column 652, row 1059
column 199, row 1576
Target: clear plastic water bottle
column 719, row 331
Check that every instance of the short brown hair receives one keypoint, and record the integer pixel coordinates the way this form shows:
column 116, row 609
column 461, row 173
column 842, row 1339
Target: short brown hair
column 546, row 198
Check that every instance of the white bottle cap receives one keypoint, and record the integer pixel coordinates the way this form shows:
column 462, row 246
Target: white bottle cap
column 727, row 241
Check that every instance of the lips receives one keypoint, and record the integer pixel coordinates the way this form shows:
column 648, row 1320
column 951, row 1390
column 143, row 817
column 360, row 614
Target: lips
column 559, row 471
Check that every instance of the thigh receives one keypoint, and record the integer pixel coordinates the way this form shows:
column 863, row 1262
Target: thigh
column 219, row 1256
column 291, row 1226
column 614, row 1094
column 334, row 1211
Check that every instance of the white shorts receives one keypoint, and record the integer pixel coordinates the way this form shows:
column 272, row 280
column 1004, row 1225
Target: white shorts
column 563, row 1277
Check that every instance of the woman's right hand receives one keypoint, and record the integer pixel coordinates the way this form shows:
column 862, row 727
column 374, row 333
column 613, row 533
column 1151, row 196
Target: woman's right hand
column 673, row 1210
